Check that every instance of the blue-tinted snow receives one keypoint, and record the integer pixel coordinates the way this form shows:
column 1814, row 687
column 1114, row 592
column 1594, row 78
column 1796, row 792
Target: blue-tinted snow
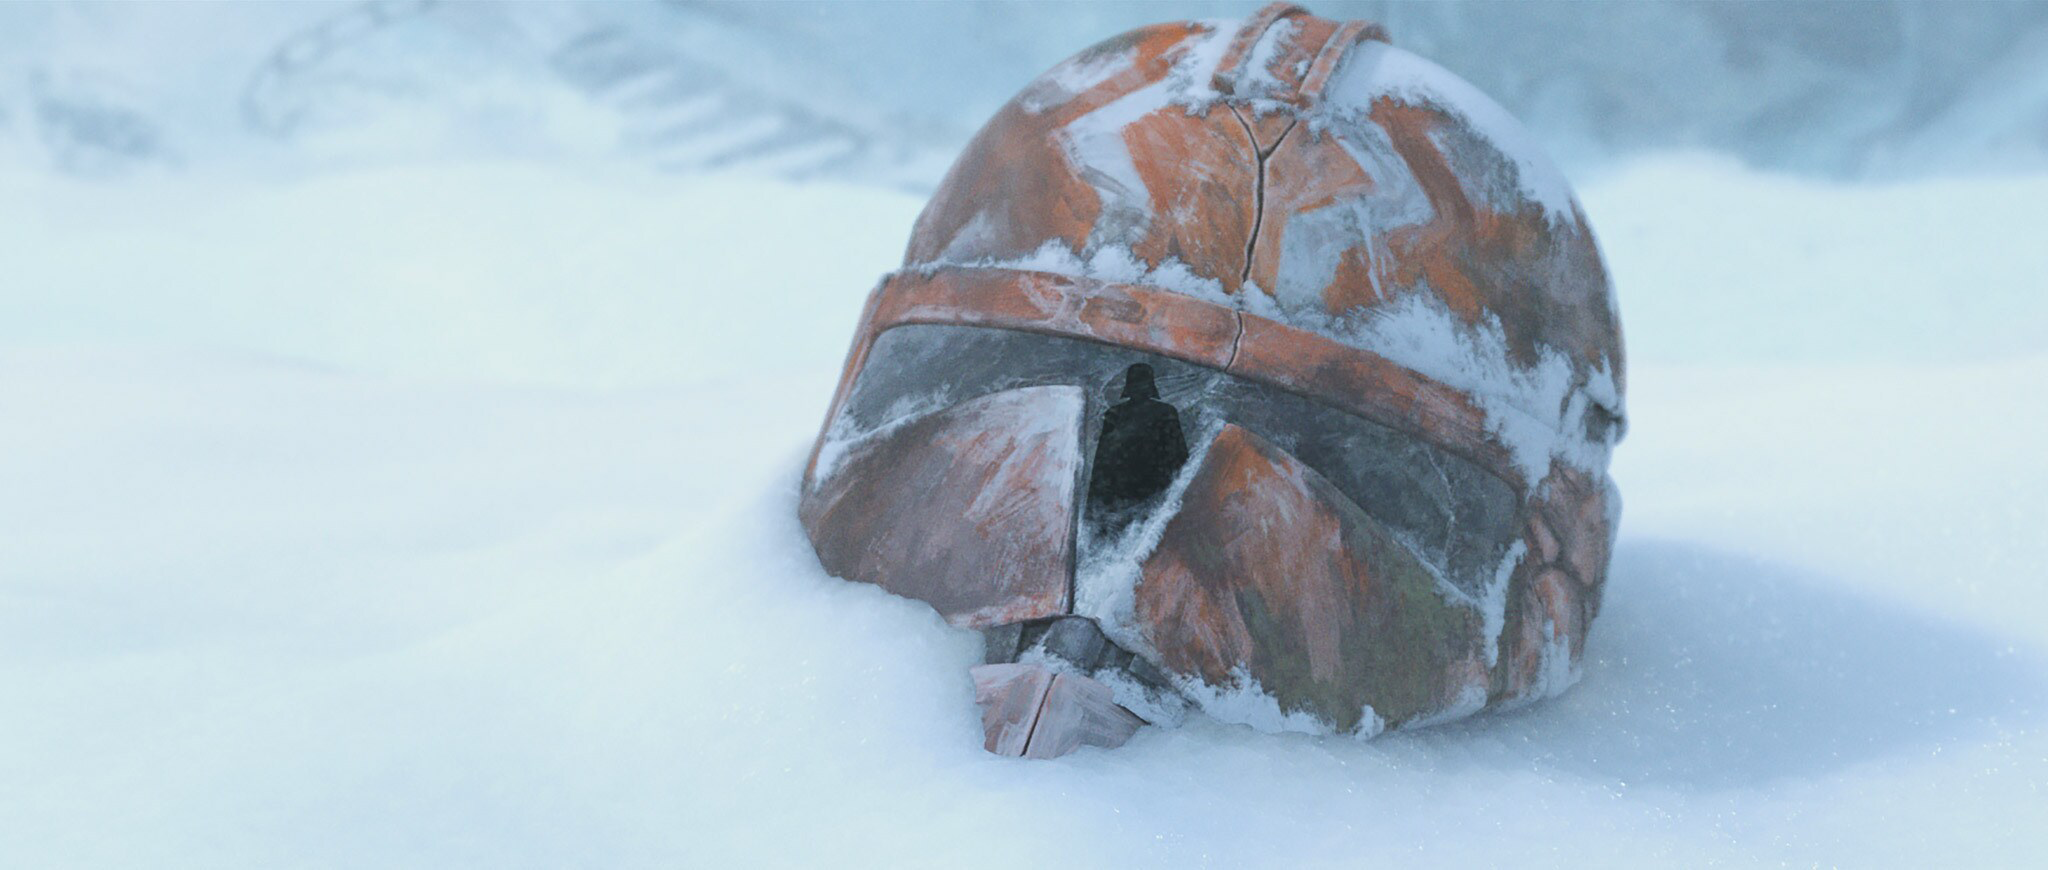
column 414, row 488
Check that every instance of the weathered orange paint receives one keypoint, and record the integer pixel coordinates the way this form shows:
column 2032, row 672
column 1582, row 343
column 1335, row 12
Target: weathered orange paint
column 981, row 490
column 1250, row 198
column 1268, row 573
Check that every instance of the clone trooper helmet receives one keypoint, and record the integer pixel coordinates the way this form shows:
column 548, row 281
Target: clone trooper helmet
column 1256, row 367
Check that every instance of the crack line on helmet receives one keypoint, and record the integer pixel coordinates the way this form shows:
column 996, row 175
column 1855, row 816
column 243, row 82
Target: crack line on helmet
column 1259, row 155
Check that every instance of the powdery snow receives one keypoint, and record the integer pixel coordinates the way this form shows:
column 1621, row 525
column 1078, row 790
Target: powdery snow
column 445, row 517
column 1377, row 69
column 1494, row 607
column 1073, row 77
column 1109, row 263
column 1244, row 702
column 1106, row 572
column 1255, row 77
column 1094, row 143
column 1533, row 410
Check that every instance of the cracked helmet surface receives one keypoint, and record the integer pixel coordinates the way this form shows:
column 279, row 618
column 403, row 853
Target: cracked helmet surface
column 1277, row 352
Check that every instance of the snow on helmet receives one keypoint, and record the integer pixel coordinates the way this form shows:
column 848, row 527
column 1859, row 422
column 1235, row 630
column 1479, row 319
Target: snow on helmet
column 1257, row 366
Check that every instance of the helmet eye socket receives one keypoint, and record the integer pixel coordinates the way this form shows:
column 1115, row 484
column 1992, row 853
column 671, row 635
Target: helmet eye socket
column 1140, row 444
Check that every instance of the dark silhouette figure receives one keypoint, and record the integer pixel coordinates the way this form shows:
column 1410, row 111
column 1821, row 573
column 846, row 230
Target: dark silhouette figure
column 1140, row 449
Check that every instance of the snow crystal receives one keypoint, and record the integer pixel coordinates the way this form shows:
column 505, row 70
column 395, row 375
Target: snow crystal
column 1256, row 75
column 1108, row 263
column 1370, row 724
column 1115, row 264
column 1194, row 70
column 1242, row 701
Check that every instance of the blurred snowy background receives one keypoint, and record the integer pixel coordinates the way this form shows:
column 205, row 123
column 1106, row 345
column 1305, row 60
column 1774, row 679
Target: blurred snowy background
column 400, row 407
column 886, row 92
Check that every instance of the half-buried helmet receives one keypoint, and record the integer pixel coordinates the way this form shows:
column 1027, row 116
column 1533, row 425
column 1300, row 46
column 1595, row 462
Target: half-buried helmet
column 1255, row 366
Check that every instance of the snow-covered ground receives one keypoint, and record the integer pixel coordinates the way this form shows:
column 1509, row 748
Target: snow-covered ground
column 442, row 515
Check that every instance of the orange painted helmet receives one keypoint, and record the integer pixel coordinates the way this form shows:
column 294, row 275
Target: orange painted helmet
column 1258, row 367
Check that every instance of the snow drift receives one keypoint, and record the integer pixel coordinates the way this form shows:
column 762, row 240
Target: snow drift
column 434, row 516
